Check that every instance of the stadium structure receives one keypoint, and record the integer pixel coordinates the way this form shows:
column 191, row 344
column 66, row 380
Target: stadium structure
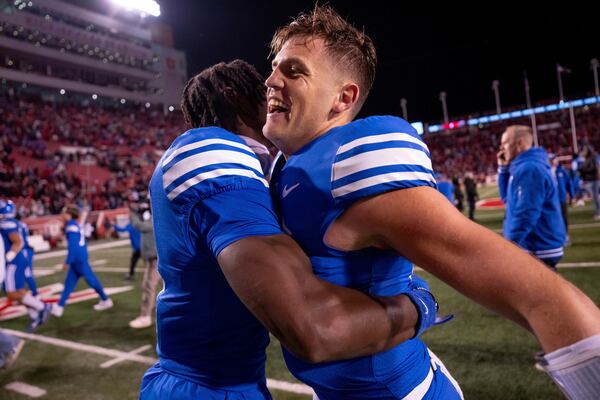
column 57, row 47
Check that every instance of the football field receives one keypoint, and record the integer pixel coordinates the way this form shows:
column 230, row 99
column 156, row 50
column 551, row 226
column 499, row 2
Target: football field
column 95, row 355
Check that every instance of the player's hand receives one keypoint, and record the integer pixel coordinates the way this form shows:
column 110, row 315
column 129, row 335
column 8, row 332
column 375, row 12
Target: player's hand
column 65, row 267
column 10, row 256
column 426, row 305
column 501, row 159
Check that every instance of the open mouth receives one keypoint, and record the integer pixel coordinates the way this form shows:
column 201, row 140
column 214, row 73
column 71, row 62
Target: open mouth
column 277, row 106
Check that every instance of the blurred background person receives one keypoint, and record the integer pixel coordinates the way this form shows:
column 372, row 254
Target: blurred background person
column 533, row 218
column 588, row 170
column 77, row 264
column 472, row 195
column 459, row 196
column 141, row 220
column 134, row 238
column 565, row 187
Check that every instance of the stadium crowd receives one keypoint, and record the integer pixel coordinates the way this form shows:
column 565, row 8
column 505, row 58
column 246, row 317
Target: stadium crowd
column 97, row 156
column 474, row 149
column 93, row 156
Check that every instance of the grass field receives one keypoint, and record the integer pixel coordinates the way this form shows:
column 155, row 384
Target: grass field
column 490, row 357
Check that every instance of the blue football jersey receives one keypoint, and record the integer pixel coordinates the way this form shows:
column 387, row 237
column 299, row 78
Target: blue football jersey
column 24, row 230
column 7, row 227
column 76, row 246
column 316, row 185
column 207, row 192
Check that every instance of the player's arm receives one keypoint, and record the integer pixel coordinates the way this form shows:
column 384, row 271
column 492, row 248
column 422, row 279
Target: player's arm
column 273, row 277
column 421, row 225
column 16, row 245
column 312, row 318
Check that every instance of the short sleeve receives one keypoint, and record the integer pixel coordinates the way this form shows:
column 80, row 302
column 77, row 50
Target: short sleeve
column 375, row 164
column 229, row 216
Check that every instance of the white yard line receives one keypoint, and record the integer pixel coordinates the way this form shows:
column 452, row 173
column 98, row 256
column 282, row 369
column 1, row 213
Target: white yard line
column 298, row 388
column 592, row 264
column 58, row 253
column 26, row 389
column 93, row 263
column 573, row 226
column 118, row 360
column 67, row 344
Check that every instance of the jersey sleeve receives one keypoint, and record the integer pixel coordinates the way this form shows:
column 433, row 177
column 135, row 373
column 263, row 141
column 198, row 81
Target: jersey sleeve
column 375, row 164
column 229, row 216
column 9, row 227
column 212, row 162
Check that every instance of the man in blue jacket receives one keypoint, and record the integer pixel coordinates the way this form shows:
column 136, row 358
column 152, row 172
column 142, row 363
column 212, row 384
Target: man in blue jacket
column 527, row 186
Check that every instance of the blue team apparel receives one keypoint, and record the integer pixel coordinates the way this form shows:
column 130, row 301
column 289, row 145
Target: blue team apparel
column 533, row 218
column 564, row 184
column 134, row 235
column 447, row 189
column 15, row 269
column 77, row 259
column 316, row 185
column 29, row 278
column 207, row 192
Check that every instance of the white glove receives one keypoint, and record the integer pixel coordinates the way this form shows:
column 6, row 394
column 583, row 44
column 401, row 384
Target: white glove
column 10, row 255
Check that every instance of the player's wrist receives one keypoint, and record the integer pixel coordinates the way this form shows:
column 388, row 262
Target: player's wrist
column 10, row 255
column 426, row 307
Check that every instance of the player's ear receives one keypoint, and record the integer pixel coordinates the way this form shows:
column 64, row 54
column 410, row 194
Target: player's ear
column 347, row 97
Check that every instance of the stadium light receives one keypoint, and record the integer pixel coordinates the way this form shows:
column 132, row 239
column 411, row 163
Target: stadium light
column 171, row 108
column 62, row 91
column 94, row 96
column 150, row 7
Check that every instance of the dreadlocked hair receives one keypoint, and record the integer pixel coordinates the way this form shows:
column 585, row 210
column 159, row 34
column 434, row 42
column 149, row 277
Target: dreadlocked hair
column 220, row 94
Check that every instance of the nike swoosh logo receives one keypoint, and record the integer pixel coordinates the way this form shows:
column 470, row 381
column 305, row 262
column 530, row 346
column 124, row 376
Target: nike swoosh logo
column 425, row 305
column 287, row 190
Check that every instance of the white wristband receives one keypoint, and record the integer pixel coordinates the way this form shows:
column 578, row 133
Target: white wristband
column 10, row 255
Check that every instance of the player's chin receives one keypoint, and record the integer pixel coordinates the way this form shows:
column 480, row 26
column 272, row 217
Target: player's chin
column 272, row 129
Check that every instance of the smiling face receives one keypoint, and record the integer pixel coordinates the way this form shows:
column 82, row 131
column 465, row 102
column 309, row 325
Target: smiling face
column 305, row 94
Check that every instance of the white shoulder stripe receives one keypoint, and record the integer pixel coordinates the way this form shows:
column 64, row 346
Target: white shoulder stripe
column 208, row 158
column 8, row 224
column 72, row 228
column 383, row 178
column 204, row 143
column 213, row 174
column 380, row 139
column 380, row 158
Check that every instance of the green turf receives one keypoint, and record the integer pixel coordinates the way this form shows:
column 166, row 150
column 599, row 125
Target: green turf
column 489, row 356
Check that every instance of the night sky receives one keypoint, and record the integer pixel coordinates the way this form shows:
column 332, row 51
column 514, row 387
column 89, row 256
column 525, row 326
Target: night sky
column 419, row 56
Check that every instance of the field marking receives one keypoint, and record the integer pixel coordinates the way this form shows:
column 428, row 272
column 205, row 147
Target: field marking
column 118, row 360
column 58, row 253
column 298, row 388
column 591, row 264
column 590, row 225
column 26, row 389
column 59, row 267
column 67, row 344
column 17, row 310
